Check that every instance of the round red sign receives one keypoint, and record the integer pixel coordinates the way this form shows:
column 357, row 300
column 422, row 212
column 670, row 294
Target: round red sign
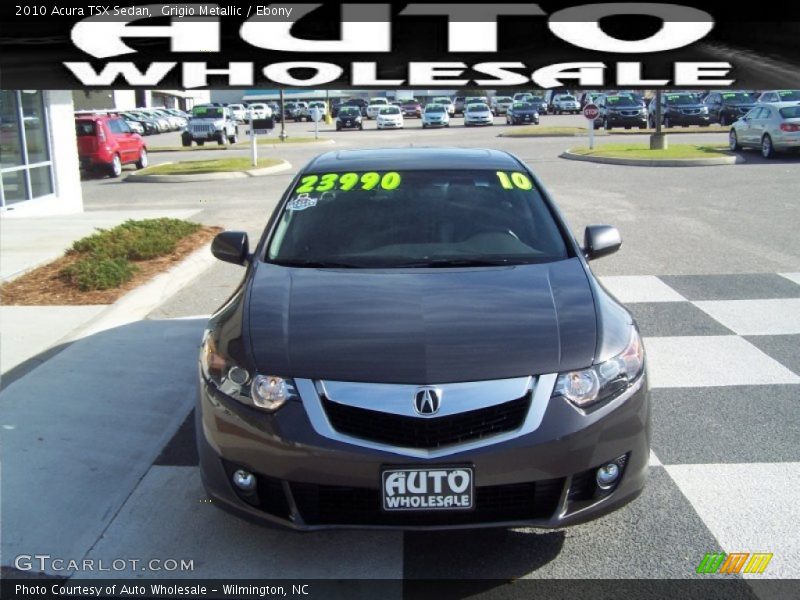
column 591, row 112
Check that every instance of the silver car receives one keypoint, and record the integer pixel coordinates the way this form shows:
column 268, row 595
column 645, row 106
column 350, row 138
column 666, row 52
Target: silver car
column 771, row 127
column 478, row 113
column 566, row 103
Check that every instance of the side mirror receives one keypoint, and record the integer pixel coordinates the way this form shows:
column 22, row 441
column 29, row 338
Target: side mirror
column 231, row 246
column 600, row 240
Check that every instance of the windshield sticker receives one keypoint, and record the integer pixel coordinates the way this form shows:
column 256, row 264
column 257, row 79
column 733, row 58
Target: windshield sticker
column 301, row 202
column 349, row 181
column 514, row 180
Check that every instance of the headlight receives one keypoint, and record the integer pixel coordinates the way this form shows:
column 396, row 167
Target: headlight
column 600, row 382
column 267, row 392
column 704, row 110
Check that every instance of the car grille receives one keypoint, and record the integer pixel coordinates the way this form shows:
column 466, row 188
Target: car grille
column 343, row 505
column 690, row 111
column 630, row 113
column 201, row 128
column 427, row 432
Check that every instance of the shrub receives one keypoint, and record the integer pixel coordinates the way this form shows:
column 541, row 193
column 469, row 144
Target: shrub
column 99, row 273
column 106, row 255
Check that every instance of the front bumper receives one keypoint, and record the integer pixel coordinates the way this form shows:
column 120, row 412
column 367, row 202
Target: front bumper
column 678, row 118
column 308, row 481
column 521, row 120
column 619, row 120
column 389, row 125
column 478, row 121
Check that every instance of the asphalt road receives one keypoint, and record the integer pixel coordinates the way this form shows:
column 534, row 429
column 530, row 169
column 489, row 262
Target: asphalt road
column 709, row 267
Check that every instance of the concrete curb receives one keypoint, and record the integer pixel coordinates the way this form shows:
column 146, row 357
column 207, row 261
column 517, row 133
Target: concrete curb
column 327, row 142
column 138, row 303
column 604, row 133
column 284, row 165
column 654, row 162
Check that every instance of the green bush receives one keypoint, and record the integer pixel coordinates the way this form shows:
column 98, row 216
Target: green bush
column 93, row 273
column 106, row 255
column 137, row 240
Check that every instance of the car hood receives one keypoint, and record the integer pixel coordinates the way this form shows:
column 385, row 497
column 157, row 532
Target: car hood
column 681, row 106
column 421, row 326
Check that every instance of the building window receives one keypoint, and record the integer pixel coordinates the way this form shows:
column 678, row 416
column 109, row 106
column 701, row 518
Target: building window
column 26, row 168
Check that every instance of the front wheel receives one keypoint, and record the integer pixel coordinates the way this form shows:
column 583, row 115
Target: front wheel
column 767, row 149
column 116, row 166
column 667, row 122
column 723, row 120
column 234, row 139
column 142, row 162
column 222, row 140
column 186, row 142
column 733, row 141
column 200, row 142
column 606, row 125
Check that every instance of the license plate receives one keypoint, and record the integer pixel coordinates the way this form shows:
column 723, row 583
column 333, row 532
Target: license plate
column 444, row 488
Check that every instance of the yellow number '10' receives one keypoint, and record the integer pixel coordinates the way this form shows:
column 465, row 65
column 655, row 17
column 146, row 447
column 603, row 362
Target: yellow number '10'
column 514, row 180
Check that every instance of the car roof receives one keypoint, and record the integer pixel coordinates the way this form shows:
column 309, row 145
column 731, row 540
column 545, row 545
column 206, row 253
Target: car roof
column 415, row 159
column 778, row 105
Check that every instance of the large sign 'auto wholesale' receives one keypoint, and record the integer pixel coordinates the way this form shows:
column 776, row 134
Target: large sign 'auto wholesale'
column 382, row 45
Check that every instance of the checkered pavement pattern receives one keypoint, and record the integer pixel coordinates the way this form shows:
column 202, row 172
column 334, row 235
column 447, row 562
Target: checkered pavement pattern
column 724, row 364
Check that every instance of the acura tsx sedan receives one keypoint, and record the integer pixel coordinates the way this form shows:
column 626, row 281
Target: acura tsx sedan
column 418, row 342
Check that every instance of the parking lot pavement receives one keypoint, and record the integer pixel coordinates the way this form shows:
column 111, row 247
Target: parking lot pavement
column 709, row 268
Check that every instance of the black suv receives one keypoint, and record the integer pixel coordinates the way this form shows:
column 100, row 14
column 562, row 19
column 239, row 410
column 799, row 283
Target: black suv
column 680, row 108
column 725, row 107
column 621, row 110
column 349, row 117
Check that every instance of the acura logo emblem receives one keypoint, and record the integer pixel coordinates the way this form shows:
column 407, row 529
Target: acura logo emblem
column 427, row 401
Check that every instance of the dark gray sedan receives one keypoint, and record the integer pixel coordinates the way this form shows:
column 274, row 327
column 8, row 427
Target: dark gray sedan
column 418, row 342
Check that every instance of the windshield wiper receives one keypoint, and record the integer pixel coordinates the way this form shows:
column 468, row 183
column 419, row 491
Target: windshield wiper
column 315, row 264
column 460, row 262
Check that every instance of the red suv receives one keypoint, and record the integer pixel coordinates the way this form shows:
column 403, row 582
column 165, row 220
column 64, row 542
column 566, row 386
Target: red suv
column 105, row 142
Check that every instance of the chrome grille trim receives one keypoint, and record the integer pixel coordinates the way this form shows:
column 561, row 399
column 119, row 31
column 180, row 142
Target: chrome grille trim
column 542, row 388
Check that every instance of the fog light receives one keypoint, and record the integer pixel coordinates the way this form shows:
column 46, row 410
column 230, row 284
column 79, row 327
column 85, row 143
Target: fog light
column 244, row 480
column 607, row 476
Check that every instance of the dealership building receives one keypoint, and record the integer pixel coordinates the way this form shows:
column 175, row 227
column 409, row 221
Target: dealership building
column 38, row 154
column 39, row 168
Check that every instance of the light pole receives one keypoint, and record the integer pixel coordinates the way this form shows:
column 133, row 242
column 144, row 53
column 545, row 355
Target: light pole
column 283, row 134
column 658, row 140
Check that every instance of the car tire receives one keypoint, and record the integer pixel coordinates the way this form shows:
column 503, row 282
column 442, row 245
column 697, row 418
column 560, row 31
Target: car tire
column 667, row 122
column 186, row 142
column 767, row 147
column 723, row 120
column 361, row 127
column 222, row 140
column 115, row 168
column 338, row 127
column 606, row 125
column 651, row 122
column 733, row 141
column 234, row 139
column 142, row 162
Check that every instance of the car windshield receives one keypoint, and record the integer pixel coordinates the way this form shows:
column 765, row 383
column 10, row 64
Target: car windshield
column 567, row 98
column 477, row 107
column 736, row 97
column 680, row 99
column 207, row 112
column 621, row 101
column 504, row 99
column 390, row 110
column 789, row 95
column 534, row 99
column 441, row 101
column 790, row 112
column 349, row 111
column 425, row 218
column 434, row 108
column 523, row 106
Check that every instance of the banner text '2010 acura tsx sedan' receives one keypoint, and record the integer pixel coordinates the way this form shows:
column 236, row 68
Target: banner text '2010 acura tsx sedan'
column 418, row 342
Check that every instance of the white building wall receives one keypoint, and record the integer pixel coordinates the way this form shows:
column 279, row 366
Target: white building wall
column 67, row 197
